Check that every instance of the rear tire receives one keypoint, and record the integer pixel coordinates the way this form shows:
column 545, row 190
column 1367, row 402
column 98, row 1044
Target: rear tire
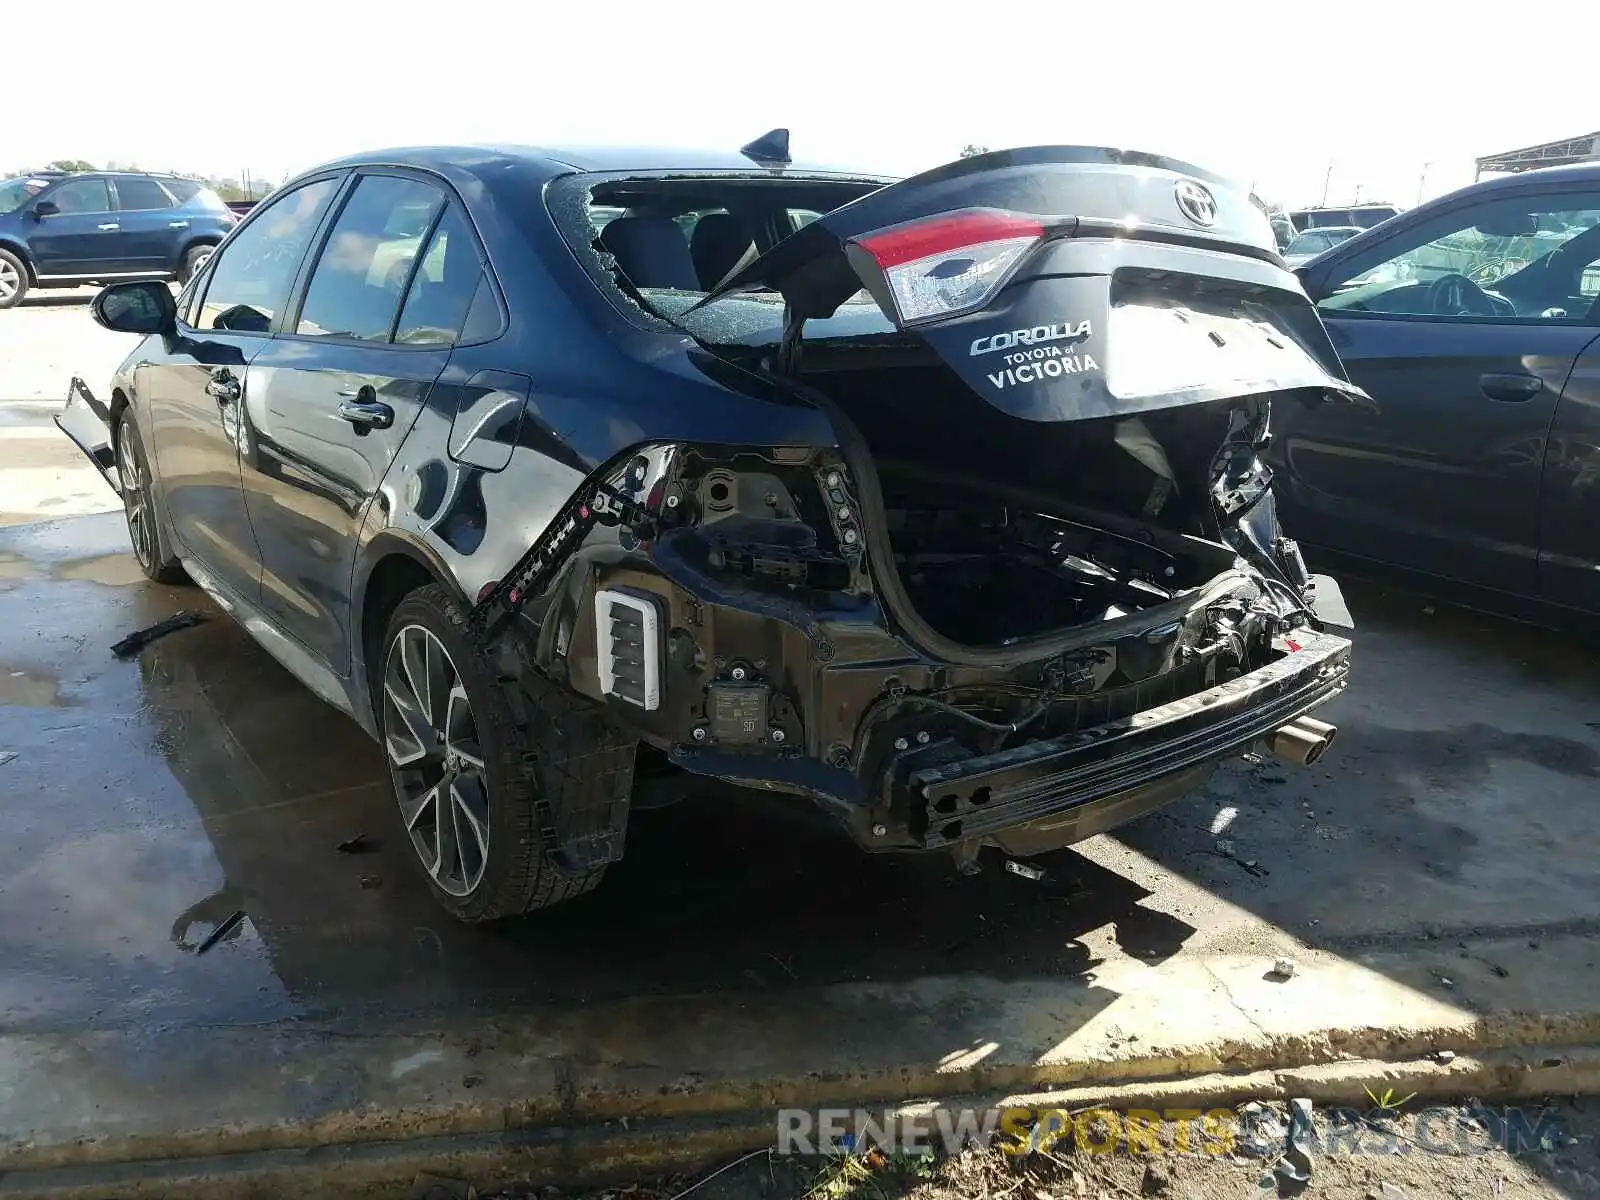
column 13, row 279
column 140, row 505
column 474, row 780
column 193, row 259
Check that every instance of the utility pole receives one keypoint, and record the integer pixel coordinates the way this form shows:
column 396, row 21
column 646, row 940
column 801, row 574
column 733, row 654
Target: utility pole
column 1423, row 182
column 1326, row 180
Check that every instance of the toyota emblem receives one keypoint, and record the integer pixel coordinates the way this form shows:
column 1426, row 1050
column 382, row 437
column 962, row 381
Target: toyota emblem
column 1196, row 202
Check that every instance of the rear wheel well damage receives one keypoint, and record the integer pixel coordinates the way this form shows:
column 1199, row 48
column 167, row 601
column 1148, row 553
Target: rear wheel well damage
column 576, row 761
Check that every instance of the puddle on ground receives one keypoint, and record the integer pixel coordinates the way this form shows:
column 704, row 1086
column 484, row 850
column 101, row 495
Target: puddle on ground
column 14, row 567
column 23, row 689
column 113, row 570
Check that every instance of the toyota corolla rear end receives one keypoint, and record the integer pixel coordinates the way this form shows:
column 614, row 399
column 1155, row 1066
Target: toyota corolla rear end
column 1037, row 586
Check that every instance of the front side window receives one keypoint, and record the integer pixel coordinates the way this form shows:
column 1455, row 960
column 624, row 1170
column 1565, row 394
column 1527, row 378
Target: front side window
column 1517, row 259
column 252, row 274
column 134, row 193
column 81, row 196
column 365, row 266
column 14, row 193
column 445, row 284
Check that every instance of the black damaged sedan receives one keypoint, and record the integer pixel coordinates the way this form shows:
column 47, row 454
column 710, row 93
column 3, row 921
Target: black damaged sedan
column 939, row 503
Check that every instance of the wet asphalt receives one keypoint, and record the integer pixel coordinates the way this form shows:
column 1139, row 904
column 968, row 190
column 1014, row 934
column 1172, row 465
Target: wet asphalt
column 152, row 802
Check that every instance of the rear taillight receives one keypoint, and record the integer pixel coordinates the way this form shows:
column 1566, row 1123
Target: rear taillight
column 952, row 263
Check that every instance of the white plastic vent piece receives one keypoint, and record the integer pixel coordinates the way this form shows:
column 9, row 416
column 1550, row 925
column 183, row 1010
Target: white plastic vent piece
column 627, row 638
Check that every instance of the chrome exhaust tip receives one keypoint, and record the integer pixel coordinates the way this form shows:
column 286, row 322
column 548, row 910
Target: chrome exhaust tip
column 1302, row 741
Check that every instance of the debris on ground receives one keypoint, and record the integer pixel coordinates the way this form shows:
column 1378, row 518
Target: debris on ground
column 6, row 756
column 1024, row 870
column 1435, row 1165
column 1444, row 979
column 1444, row 1056
column 1283, row 968
column 371, row 881
column 225, row 927
column 140, row 638
column 1261, row 1133
column 360, row 844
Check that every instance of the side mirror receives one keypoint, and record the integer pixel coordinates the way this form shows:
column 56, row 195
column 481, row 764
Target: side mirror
column 145, row 306
column 43, row 209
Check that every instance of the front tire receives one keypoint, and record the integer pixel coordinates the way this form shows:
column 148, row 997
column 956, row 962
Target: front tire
column 139, row 506
column 474, row 782
column 13, row 279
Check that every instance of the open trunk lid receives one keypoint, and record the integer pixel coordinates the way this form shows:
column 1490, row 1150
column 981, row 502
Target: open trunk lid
column 1060, row 283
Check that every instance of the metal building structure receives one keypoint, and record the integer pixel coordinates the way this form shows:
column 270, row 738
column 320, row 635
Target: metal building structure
column 1549, row 154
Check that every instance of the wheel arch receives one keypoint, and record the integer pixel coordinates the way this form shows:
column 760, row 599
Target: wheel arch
column 199, row 239
column 21, row 252
column 392, row 566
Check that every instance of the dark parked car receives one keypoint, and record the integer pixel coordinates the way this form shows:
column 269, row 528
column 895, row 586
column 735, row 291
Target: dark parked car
column 63, row 230
column 620, row 467
column 1472, row 323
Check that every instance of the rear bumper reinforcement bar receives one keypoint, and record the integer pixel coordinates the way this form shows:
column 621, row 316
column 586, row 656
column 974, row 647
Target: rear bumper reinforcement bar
column 988, row 792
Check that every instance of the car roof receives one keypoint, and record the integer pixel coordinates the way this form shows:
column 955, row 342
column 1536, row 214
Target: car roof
column 564, row 160
column 1585, row 172
column 1333, row 229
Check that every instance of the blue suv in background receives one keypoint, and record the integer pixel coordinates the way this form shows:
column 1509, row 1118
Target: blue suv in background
column 63, row 230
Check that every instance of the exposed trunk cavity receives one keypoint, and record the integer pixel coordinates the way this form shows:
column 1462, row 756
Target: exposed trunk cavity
column 1003, row 530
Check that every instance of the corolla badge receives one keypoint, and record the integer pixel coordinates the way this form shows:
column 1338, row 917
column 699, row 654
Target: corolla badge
column 1196, row 202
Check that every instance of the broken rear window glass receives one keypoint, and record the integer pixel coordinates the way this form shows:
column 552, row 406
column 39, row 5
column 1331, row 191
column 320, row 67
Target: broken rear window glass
column 663, row 243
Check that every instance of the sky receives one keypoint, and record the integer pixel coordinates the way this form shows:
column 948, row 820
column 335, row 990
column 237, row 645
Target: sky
column 1391, row 106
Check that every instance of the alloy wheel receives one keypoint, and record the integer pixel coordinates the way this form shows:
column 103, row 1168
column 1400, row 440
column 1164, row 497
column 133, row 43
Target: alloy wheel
column 135, row 496
column 10, row 281
column 436, row 760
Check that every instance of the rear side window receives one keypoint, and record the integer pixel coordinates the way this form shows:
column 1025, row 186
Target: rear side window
column 365, row 265
column 251, row 275
column 82, row 196
column 442, row 293
column 136, row 193
column 184, row 189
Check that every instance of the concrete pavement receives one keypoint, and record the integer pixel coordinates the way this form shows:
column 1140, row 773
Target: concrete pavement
column 1435, row 878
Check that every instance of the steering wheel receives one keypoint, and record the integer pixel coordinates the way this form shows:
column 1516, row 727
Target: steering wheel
column 1454, row 295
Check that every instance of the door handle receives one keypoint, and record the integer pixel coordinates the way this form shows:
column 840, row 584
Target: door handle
column 1513, row 389
column 224, row 387
column 177, row 224
column 109, row 226
column 365, row 415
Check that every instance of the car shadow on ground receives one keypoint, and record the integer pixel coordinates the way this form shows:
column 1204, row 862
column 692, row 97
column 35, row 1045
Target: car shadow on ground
column 716, row 893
